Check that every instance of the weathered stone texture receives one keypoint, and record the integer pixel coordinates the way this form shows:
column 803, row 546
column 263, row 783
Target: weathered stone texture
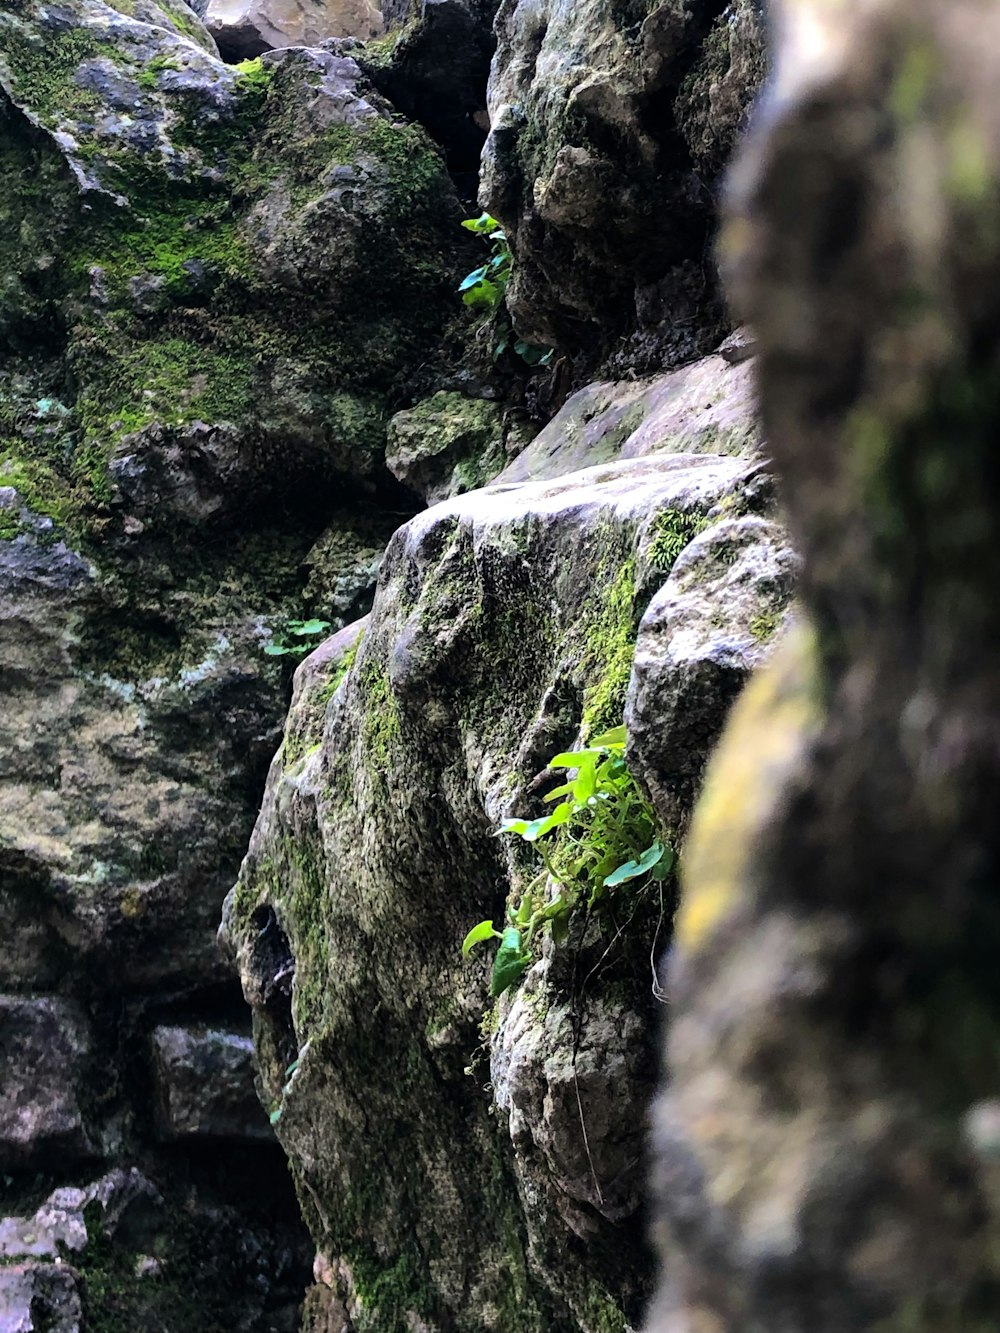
column 205, row 1085
column 45, row 1046
column 505, row 620
column 244, row 29
column 609, row 123
column 825, row 1137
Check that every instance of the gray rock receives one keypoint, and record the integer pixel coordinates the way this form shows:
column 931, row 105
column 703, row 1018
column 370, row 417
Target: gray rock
column 45, row 1047
column 574, row 1086
column 446, row 445
column 131, row 1215
column 706, row 407
column 605, row 201
column 708, row 627
column 504, row 621
column 205, row 1085
column 825, row 1133
column 40, row 1298
column 244, row 29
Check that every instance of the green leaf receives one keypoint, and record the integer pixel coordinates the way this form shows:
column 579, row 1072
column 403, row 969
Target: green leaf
column 275, row 1115
column 610, row 739
column 524, row 911
column 633, row 869
column 664, row 867
column 472, row 279
column 483, row 223
column 574, row 758
column 484, row 931
column 556, row 792
column 533, row 829
column 484, row 293
column 559, row 907
column 301, row 628
column 510, row 963
column 277, row 650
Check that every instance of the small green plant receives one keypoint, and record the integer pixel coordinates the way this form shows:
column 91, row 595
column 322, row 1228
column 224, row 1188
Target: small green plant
column 485, row 287
column 297, row 638
column 672, row 530
column 600, row 836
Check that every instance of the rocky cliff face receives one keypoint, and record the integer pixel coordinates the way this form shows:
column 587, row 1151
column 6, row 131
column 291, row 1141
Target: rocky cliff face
column 504, row 622
column 232, row 363
column 610, row 123
column 828, row 1140
column 194, row 389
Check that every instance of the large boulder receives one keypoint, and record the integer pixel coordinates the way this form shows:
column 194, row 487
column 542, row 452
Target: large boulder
column 504, row 625
column 827, row 1136
column 609, row 123
column 195, row 380
column 244, row 29
column 193, row 384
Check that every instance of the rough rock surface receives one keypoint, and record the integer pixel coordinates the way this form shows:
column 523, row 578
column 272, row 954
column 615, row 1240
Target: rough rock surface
column 705, row 407
column 726, row 599
column 39, row 1298
column 244, row 29
column 194, row 387
column 45, row 1048
column 434, row 70
column 446, row 445
column 205, row 1084
column 505, row 620
column 609, row 123
column 828, row 1138
column 135, row 1256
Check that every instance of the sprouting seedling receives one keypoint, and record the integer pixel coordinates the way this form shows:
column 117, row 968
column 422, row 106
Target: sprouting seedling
column 485, row 288
column 601, row 835
column 285, row 644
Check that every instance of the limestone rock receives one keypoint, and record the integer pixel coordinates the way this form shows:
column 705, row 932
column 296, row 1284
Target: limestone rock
column 504, row 620
column 45, row 1046
column 824, row 1161
column 244, row 29
column 703, row 633
column 446, row 445
column 205, row 1084
column 705, row 407
column 147, row 1258
column 434, row 70
column 40, row 1298
column 215, row 388
column 608, row 125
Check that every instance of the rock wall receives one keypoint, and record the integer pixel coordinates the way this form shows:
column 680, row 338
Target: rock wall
column 194, row 391
column 609, row 123
column 504, row 622
column 827, row 1142
column 232, row 362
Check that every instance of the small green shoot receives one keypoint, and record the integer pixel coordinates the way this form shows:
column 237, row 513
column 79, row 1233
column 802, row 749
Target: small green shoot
column 600, row 836
column 485, row 288
column 284, row 643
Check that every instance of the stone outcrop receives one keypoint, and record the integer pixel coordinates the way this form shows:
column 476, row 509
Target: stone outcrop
column 827, row 1141
column 505, row 621
column 448, row 444
column 706, row 407
column 434, row 70
column 609, row 123
column 194, row 388
column 45, row 1049
column 121, row 1253
column 244, row 29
